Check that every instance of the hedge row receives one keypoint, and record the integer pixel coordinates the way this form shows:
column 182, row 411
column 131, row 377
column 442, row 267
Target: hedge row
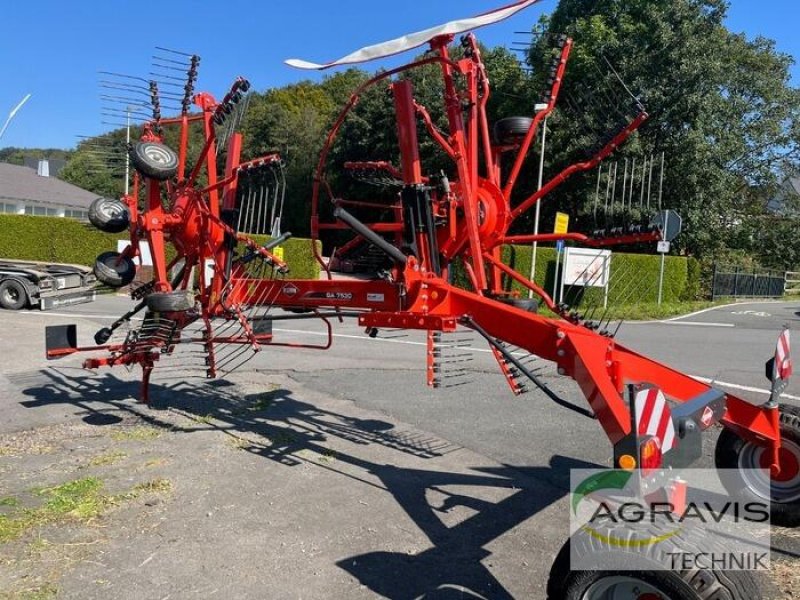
column 53, row 239
column 634, row 277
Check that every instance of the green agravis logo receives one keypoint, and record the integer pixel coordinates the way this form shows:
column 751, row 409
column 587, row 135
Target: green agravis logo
column 613, row 480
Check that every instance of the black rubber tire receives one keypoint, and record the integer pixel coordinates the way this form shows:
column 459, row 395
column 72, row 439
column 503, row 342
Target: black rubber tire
column 154, row 160
column 645, row 564
column 180, row 301
column 13, row 295
column 110, row 270
column 729, row 449
column 512, row 130
column 526, row 304
column 109, row 215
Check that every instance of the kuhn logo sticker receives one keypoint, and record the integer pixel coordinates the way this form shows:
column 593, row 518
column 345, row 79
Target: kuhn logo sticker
column 290, row 290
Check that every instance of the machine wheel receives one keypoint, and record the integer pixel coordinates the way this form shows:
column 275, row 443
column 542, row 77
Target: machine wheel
column 526, row 304
column 745, row 464
column 512, row 130
column 109, row 215
column 154, row 160
column 114, row 270
column 170, row 301
column 13, row 295
column 639, row 573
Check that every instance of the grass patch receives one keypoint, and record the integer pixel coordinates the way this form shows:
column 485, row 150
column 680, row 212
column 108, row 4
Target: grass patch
column 156, row 486
column 261, row 402
column 140, row 433
column 9, row 501
column 644, row 311
column 155, row 462
column 107, row 459
column 328, row 456
column 20, row 450
column 45, row 591
column 239, row 443
column 80, row 499
column 204, row 419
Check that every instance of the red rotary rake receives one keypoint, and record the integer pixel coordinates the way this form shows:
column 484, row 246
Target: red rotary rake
column 435, row 222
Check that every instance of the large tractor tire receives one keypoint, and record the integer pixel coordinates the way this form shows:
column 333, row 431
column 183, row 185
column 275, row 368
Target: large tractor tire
column 114, row 270
column 109, row 215
column 162, row 302
column 13, row 295
column 154, row 160
column 640, row 571
column 512, row 130
column 745, row 469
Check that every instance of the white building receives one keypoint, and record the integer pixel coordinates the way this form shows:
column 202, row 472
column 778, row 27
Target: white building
column 25, row 191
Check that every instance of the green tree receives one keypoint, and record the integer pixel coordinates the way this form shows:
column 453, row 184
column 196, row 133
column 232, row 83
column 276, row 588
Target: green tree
column 722, row 109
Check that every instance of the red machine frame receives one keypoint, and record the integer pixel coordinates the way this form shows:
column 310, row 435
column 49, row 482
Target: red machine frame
column 467, row 220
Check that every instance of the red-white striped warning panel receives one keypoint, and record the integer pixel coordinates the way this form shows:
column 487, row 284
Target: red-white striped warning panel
column 654, row 417
column 783, row 359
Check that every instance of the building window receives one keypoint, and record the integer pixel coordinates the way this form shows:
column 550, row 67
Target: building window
column 7, row 208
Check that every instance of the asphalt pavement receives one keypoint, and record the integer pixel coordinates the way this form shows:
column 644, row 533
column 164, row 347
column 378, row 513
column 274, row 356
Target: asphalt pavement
column 471, row 470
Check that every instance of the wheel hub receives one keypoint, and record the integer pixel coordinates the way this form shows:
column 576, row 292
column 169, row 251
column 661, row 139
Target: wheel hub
column 158, row 155
column 755, row 462
column 788, row 460
column 625, row 587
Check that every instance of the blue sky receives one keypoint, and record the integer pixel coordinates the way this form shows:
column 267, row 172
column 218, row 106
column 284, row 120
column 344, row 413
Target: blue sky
column 53, row 49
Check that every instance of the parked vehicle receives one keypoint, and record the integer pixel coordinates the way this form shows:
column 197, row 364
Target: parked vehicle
column 44, row 285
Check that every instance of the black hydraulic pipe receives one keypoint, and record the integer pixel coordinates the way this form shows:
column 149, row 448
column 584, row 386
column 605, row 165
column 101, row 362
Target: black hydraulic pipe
column 251, row 256
column 277, row 241
column 522, row 369
column 370, row 235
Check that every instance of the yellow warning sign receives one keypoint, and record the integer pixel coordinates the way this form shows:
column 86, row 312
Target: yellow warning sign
column 562, row 223
column 278, row 252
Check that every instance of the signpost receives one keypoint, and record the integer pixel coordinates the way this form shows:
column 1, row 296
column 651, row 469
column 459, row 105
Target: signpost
column 587, row 267
column 669, row 224
column 561, row 226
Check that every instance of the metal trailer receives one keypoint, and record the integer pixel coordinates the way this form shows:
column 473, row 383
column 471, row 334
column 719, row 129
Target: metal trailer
column 44, row 285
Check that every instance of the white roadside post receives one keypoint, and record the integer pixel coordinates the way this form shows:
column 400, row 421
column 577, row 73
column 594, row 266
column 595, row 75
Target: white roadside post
column 538, row 108
column 663, row 249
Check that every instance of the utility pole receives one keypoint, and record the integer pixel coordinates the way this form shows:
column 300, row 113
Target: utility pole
column 539, row 107
column 127, row 145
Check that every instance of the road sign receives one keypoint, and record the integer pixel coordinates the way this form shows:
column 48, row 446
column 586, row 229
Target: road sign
column 663, row 247
column 562, row 223
column 669, row 223
column 587, row 267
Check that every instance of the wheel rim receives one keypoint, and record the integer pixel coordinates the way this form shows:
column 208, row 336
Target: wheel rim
column 755, row 462
column 621, row 587
column 121, row 267
column 10, row 295
column 115, row 209
column 158, row 154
